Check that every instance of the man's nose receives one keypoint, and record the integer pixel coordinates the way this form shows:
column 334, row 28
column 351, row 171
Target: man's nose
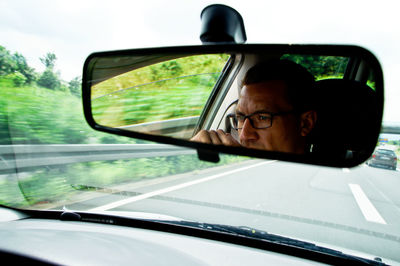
column 248, row 132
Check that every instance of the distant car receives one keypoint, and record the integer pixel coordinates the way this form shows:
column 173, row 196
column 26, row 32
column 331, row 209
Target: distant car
column 384, row 158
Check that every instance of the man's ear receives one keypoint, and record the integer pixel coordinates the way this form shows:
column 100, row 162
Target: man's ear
column 307, row 122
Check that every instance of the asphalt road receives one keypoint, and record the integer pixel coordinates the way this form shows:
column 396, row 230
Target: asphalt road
column 357, row 209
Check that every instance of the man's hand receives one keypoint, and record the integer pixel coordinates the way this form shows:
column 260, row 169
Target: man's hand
column 218, row 137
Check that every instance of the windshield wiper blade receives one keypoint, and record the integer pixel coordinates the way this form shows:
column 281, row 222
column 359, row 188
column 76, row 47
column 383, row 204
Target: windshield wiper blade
column 241, row 235
column 248, row 232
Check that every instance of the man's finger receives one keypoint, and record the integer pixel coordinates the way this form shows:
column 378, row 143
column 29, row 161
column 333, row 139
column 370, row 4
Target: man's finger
column 218, row 137
column 215, row 138
column 202, row 136
column 227, row 138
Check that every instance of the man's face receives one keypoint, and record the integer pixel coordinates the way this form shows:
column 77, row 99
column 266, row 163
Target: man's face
column 284, row 135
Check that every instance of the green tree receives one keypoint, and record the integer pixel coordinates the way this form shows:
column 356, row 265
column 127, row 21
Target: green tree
column 49, row 60
column 23, row 68
column 11, row 63
column 49, row 80
column 7, row 64
column 17, row 78
column 75, row 86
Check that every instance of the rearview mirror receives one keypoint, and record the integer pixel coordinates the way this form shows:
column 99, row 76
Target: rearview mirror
column 252, row 100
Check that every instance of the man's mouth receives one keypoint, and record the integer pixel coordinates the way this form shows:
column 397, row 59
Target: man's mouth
column 252, row 145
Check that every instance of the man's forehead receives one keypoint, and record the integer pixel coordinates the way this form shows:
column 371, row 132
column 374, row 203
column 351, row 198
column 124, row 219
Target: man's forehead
column 273, row 85
column 265, row 96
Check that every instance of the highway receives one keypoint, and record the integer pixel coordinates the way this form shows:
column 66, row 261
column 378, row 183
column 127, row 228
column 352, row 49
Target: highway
column 357, row 209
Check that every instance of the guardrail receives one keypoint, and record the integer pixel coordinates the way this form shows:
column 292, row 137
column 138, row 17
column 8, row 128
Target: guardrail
column 177, row 128
column 390, row 128
column 19, row 158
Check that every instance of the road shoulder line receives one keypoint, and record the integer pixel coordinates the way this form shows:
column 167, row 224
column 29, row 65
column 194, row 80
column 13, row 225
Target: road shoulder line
column 172, row 188
column 367, row 208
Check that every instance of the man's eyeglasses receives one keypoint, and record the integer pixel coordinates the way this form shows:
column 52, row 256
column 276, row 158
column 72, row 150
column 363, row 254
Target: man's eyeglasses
column 258, row 120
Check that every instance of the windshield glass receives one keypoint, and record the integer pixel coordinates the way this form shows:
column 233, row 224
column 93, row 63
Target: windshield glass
column 50, row 159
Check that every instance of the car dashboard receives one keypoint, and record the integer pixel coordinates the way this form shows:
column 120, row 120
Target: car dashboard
column 33, row 240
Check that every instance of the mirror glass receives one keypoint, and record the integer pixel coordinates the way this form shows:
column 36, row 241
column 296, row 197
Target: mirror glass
column 164, row 98
column 326, row 102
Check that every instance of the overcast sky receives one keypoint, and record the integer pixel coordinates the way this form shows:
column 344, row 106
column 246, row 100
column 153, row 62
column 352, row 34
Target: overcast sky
column 73, row 29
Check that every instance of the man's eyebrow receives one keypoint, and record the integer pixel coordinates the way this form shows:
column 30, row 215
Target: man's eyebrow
column 256, row 112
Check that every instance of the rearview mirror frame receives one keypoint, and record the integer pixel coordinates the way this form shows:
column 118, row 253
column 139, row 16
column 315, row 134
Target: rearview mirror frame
column 210, row 152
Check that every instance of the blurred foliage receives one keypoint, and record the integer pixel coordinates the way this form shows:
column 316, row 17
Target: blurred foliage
column 49, row 80
column 321, row 66
column 326, row 67
column 23, row 68
column 185, row 66
column 15, row 67
column 34, row 115
column 58, row 185
column 75, row 86
column 40, row 113
column 7, row 63
column 153, row 102
column 15, row 63
column 17, row 78
column 167, row 90
column 49, row 60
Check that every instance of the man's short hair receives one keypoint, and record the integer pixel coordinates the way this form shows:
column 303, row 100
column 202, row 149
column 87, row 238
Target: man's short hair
column 300, row 83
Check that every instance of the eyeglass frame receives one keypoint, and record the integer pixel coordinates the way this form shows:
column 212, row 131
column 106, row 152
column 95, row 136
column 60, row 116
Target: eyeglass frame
column 233, row 116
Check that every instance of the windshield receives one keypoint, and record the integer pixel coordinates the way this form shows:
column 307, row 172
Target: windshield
column 50, row 159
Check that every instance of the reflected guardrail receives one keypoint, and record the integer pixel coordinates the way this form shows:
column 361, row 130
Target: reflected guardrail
column 177, row 127
column 18, row 158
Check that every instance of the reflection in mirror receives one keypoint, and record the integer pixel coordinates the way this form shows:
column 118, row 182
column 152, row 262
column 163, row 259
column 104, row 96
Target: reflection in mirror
column 326, row 106
column 163, row 98
column 291, row 104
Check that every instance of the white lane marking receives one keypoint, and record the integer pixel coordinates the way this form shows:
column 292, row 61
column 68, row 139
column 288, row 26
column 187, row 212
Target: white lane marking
column 169, row 189
column 365, row 205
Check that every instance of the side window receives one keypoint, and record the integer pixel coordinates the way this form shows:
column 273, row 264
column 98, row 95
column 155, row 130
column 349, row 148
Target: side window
column 182, row 87
column 322, row 67
column 371, row 80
